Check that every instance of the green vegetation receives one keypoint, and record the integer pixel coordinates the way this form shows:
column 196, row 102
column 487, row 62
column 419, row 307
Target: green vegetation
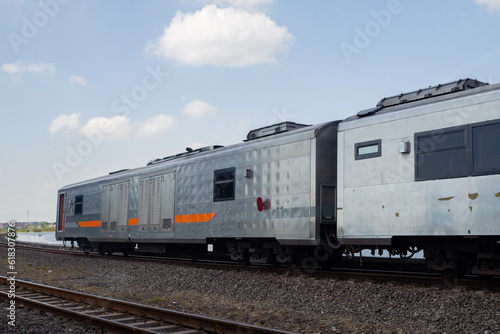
column 32, row 227
column 45, row 229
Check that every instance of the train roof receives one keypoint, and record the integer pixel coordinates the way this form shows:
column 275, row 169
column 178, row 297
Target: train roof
column 283, row 133
column 387, row 107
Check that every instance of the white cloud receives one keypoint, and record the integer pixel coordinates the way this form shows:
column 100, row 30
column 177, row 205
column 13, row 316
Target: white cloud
column 64, row 122
column 75, row 79
column 155, row 125
column 246, row 4
column 115, row 127
column 491, row 4
column 221, row 37
column 20, row 66
column 198, row 109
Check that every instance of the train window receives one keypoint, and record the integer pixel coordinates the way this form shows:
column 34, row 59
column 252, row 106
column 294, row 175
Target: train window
column 368, row 149
column 78, row 205
column 224, row 184
column 441, row 154
column 485, row 148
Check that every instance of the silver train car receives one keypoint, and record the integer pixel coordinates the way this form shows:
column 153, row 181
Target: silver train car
column 420, row 171
column 258, row 199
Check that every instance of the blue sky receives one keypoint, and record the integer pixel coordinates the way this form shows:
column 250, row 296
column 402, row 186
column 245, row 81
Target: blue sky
column 90, row 87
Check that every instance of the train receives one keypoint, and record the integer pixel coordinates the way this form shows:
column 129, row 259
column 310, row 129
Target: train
column 420, row 171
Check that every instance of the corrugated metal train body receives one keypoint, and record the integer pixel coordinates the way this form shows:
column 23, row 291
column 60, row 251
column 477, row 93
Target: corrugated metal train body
column 173, row 201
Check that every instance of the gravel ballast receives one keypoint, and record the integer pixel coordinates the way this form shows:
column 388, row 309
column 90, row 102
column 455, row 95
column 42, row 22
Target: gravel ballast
column 293, row 302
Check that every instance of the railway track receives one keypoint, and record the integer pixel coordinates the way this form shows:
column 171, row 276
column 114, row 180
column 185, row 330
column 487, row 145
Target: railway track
column 422, row 278
column 120, row 316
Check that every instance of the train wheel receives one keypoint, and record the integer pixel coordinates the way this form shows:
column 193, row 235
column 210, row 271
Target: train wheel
column 239, row 253
column 285, row 255
column 101, row 249
column 448, row 264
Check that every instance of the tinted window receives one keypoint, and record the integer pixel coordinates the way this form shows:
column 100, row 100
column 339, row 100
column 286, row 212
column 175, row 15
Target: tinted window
column 441, row 140
column 441, row 154
column 441, row 164
column 486, row 148
column 224, row 184
column 78, row 205
column 370, row 149
column 367, row 149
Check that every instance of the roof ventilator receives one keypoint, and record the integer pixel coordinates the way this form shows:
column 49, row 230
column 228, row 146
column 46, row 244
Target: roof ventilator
column 119, row 171
column 273, row 129
column 189, row 151
column 421, row 94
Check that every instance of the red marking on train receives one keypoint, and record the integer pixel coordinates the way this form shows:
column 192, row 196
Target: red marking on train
column 260, row 204
column 263, row 204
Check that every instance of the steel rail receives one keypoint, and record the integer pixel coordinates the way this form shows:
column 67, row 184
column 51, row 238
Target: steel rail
column 386, row 275
column 196, row 323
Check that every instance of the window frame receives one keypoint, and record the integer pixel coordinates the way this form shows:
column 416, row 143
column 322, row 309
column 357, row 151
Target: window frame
column 443, row 131
column 472, row 150
column 216, row 183
column 357, row 146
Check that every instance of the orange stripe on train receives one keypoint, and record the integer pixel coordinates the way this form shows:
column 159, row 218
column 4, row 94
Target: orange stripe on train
column 196, row 218
column 133, row 221
column 91, row 223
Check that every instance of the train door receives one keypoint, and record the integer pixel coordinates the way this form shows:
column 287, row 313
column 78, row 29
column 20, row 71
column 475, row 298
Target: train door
column 60, row 216
column 114, row 207
column 156, row 203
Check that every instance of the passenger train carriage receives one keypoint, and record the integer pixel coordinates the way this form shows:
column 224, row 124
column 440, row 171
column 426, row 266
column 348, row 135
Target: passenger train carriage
column 418, row 171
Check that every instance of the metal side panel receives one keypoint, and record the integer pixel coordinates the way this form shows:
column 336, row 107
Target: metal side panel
column 381, row 196
column 279, row 178
column 87, row 222
column 453, row 207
